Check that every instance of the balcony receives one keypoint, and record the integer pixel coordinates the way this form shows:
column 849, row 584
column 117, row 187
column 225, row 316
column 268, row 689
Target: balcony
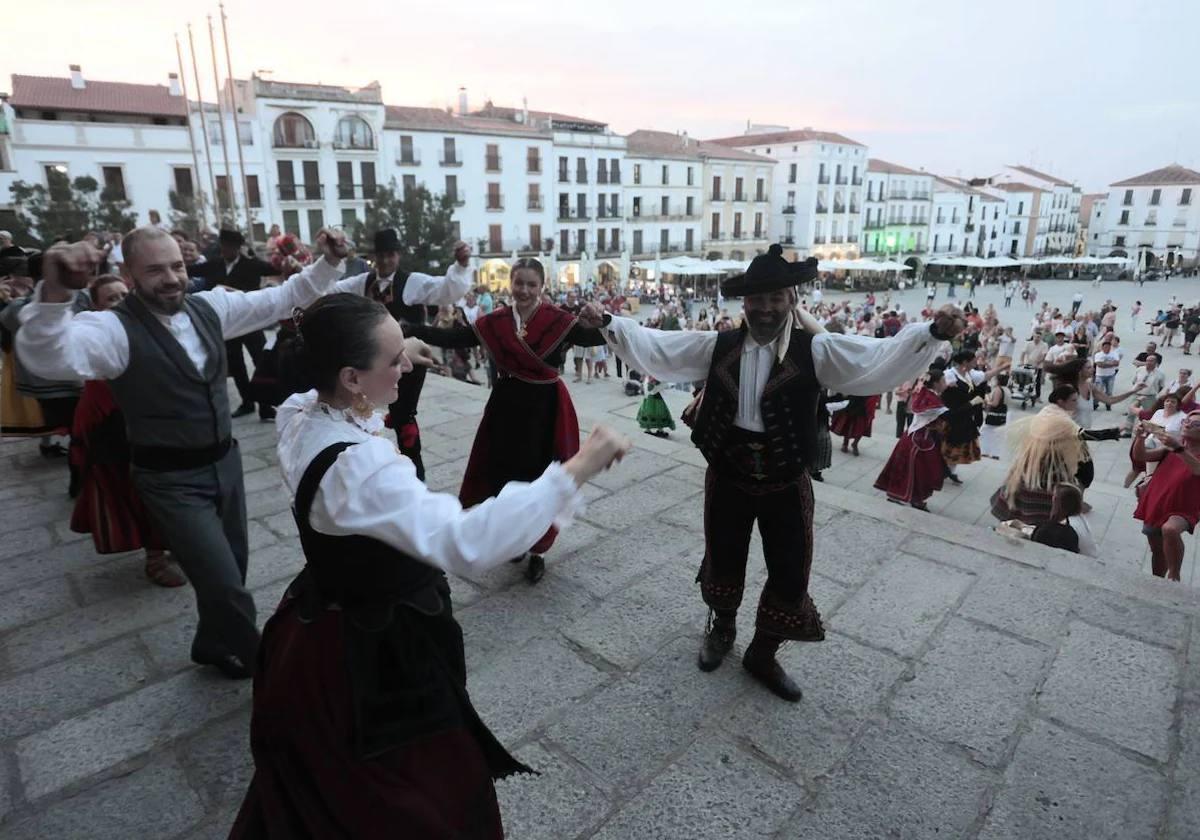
column 614, row 176
column 837, row 240
column 451, row 159
column 853, row 207
column 533, row 202
column 350, row 192
column 761, row 197
column 533, row 166
column 563, row 177
column 581, row 176
column 360, row 145
column 821, row 208
column 739, row 197
column 295, row 143
column 486, row 246
column 493, row 203
column 877, row 224
column 969, row 228
column 841, row 181
column 301, row 192
column 823, row 179
column 898, row 194
column 1151, row 221
column 838, row 207
column 818, row 240
column 568, row 213
column 920, row 195
column 717, row 196
column 790, row 209
column 411, row 157
column 612, row 211
column 788, row 240
column 738, row 235
column 491, row 163
column 1179, row 223
column 758, row 234
column 857, row 182
column 456, row 200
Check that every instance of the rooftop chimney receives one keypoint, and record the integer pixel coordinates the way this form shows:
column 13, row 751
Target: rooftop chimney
column 173, row 86
column 76, row 77
column 462, row 101
column 524, row 110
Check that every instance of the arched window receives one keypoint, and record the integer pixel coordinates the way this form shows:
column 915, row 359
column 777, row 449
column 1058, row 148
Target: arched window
column 353, row 133
column 292, row 131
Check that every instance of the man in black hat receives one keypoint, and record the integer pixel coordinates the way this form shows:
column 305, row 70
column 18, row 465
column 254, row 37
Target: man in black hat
column 756, row 424
column 240, row 271
column 406, row 296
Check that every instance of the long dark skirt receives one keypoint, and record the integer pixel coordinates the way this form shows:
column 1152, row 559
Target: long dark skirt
column 915, row 469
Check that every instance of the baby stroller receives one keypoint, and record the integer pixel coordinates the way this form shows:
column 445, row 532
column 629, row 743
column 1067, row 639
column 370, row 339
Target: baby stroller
column 1020, row 384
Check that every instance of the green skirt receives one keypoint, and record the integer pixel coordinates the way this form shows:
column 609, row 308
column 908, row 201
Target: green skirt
column 654, row 414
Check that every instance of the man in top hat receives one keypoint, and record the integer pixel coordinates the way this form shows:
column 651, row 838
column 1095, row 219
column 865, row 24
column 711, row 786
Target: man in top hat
column 756, row 424
column 406, row 295
column 244, row 273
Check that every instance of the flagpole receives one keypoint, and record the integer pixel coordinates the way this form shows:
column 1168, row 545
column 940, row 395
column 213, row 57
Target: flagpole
column 212, row 42
column 237, row 131
column 212, row 180
column 191, row 136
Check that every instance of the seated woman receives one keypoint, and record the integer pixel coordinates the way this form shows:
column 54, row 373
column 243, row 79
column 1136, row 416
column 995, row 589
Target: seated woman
column 1169, row 504
column 361, row 725
column 529, row 421
column 1067, row 528
column 1068, row 400
column 108, row 507
column 1047, row 451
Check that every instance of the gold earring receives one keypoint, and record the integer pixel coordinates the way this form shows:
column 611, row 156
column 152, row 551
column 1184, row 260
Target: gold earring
column 362, row 407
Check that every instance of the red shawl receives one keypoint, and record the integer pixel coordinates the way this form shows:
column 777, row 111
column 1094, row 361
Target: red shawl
column 523, row 357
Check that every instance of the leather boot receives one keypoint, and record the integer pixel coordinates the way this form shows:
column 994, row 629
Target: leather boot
column 717, row 641
column 536, row 569
column 760, row 662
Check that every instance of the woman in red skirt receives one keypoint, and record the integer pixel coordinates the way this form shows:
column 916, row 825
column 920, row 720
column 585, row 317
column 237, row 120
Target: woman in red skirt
column 854, row 421
column 916, row 469
column 107, row 506
column 1169, row 505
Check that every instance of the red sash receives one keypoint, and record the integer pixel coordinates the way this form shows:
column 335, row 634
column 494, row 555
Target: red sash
column 523, row 357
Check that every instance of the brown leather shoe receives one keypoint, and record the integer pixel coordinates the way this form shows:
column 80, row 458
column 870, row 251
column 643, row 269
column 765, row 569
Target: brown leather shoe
column 768, row 671
column 717, row 643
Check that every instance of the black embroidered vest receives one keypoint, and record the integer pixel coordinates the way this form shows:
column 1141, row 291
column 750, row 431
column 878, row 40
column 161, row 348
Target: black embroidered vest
column 789, row 411
column 393, row 299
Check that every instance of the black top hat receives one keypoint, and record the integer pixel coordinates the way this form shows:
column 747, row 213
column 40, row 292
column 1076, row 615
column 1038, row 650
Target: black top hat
column 770, row 272
column 229, row 236
column 387, row 239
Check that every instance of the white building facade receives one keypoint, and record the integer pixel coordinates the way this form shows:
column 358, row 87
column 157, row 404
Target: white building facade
column 897, row 211
column 663, row 195
column 1154, row 213
column 816, row 191
column 1056, row 209
column 737, row 203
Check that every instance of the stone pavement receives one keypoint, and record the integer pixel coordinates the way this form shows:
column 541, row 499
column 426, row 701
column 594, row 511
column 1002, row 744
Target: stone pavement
column 970, row 686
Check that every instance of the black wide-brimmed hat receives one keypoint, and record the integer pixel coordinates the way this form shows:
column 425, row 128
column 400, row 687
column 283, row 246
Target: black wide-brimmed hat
column 387, row 239
column 229, row 236
column 770, row 272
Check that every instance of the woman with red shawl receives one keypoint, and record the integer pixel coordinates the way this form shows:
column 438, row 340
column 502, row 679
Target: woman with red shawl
column 529, row 421
column 916, row 469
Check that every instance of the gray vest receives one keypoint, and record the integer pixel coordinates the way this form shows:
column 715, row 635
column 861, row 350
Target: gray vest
column 165, row 400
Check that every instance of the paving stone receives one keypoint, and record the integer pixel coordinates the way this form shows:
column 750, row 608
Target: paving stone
column 22, row 541
column 515, row 694
column 170, row 643
column 36, row 511
column 267, row 480
column 713, row 791
column 446, row 477
column 260, row 505
column 219, row 761
column 1129, row 616
column 577, row 535
column 850, row 548
column 614, row 562
column 561, row 802
column 461, row 429
column 824, row 512
column 640, row 501
column 36, row 699
column 1060, row 786
column 107, row 735
column 901, row 606
column 844, row 683
column 1185, row 796
column 38, row 600
column 153, row 801
column 827, row 594
column 505, row 620
column 283, row 524
column 950, row 553
column 64, row 534
column 1115, row 687
column 284, row 559
column 639, row 466
column 972, row 688
column 630, row 625
column 1027, row 602
column 896, row 784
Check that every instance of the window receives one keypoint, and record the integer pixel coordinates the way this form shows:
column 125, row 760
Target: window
column 253, row 196
column 690, row 203
column 534, row 200
column 291, row 222
column 1020, row 208
column 614, row 171
column 287, row 182
column 581, row 172
column 665, row 175
column 316, row 221
column 535, row 237
column 760, row 190
column 353, row 133
column 409, row 185
column 1016, row 227
column 738, row 195
column 601, row 240
column 495, row 239
column 581, row 239
column 1124, row 218
column 114, row 182
column 494, row 200
column 452, row 188
column 690, row 177
column 407, row 155
column 292, row 131
column 601, row 171
column 368, row 179
column 312, row 181
column 637, row 242
column 1186, row 196
column 936, row 238
column 57, row 182
column 581, row 206
column 737, row 225
column 822, row 178
column 665, row 206
column 345, row 171
column 792, row 173
column 1119, row 241
column 689, row 240
column 716, row 188
column 637, row 173
column 349, row 217
column 491, row 157
column 562, row 173
column 183, row 182
column 564, row 242
column 223, row 196
column 1128, row 200
column 450, row 152
column 533, row 161
column 1155, row 196
column 716, row 225
column 758, row 225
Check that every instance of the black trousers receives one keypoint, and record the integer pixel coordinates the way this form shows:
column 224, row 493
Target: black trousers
column 784, row 514
column 254, row 342
column 403, row 414
column 1038, row 375
column 903, row 418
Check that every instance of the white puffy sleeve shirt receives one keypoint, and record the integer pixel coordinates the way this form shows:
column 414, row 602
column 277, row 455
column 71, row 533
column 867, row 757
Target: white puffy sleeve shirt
column 373, row 491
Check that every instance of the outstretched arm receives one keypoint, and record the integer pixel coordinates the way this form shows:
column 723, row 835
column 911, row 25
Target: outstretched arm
column 667, row 355
column 441, row 291
column 448, row 337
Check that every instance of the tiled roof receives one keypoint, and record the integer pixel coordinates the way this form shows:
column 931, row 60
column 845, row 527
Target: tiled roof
column 647, row 143
column 1041, row 175
column 49, row 93
column 877, row 165
column 959, row 185
column 438, row 119
column 1016, row 186
column 1165, row 177
column 505, row 113
column 1087, row 202
column 371, row 93
column 804, row 135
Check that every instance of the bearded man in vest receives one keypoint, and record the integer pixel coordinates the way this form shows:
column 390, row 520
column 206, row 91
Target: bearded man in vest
column 406, row 296
column 163, row 352
column 756, row 424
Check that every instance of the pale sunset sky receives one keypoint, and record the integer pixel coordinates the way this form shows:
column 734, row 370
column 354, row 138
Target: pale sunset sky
column 1090, row 90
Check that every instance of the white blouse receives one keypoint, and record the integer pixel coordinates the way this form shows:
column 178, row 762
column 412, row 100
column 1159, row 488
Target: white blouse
column 373, row 491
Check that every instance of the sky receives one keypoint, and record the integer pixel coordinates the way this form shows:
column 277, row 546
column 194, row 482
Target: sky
column 1092, row 91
